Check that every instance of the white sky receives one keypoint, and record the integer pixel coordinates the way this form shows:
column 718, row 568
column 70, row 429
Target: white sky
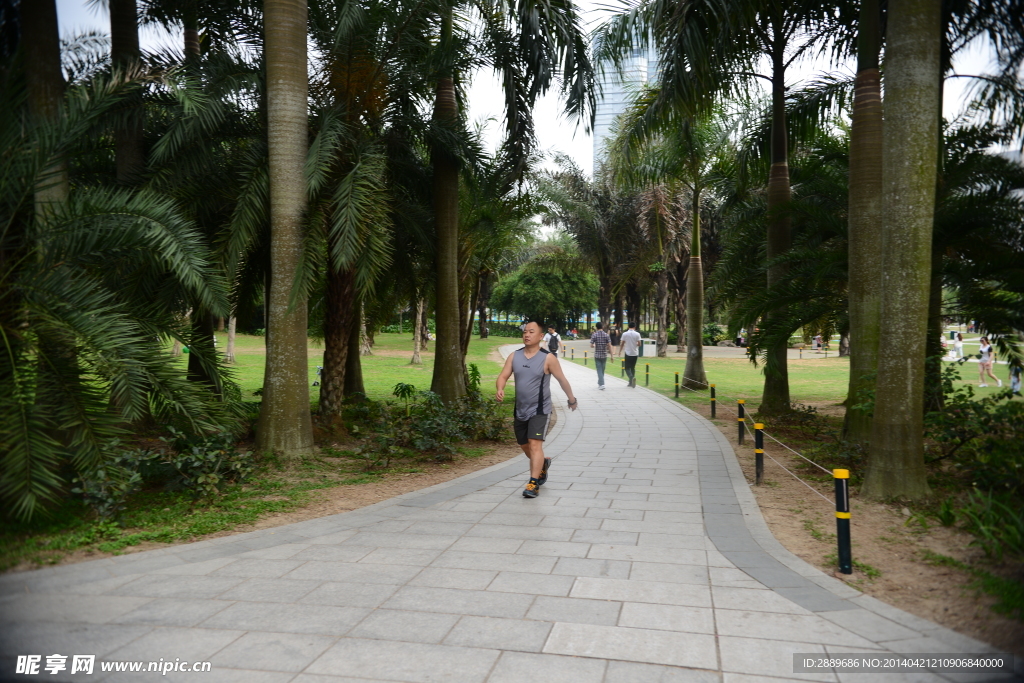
column 554, row 131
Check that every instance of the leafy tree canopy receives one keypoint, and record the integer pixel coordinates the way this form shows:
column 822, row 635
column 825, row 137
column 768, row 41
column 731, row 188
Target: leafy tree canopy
column 546, row 289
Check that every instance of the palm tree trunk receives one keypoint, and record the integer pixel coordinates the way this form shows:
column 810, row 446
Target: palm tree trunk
column 896, row 466
column 229, row 351
column 680, row 278
column 865, row 232
column 45, row 86
column 354, row 387
column 285, row 424
column 190, row 15
column 661, row 300
column 618, row 311
column 694, row 376
column 483, row 299
column 424, row 328
column 202, row 353
column 417, row 332
column 449, row 366
column 633, row 302
column 339, row 318
column 934, row 400
column 775, row 398
column 129, row 157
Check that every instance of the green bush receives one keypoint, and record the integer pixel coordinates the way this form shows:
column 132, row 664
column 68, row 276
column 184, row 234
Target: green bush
column 206, row 462
column 712, row 334
column 107, row 488
column 996, row 521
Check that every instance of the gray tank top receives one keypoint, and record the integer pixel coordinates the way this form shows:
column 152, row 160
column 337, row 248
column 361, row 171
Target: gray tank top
column 533, row 387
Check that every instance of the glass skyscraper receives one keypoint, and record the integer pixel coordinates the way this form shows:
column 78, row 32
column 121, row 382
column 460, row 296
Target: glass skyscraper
column 617, row 91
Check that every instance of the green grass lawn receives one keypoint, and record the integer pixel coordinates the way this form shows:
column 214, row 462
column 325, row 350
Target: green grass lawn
column 388, row 366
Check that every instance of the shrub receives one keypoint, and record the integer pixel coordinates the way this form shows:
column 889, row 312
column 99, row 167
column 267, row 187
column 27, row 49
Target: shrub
column 205, row 462
column 107, row 488
column 712, row 334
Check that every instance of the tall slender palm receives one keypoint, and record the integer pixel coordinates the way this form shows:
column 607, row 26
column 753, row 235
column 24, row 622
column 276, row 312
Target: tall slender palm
column 910, row 163
column 285, row 424
column 865, row 222
column 529, row 42
column 690, row 152
column 711, row 49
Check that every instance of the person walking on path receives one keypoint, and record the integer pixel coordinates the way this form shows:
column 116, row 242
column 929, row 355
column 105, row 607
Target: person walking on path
column 553, row 340
column 630, row 351
column 958, row 346
column 533, row 368
column 601, row 343
column 615, row 336
column 985, row 360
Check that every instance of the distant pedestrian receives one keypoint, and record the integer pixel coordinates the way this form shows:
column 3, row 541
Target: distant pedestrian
column 553, row 340
column 533, row 367
column 958, row 346
column 615, row 337
column 1015, row 373
column 986, row 358
column 630, row 351
column 602, row 352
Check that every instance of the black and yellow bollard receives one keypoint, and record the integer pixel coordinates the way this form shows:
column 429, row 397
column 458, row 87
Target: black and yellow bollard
column 801, row 353
column 741, row 420
column 647, row 375
column 584, row 357
column 758, row 453
column 714, row 401
column 677, row 385
column 622, row 367
column 842, row 478
column 572, row 353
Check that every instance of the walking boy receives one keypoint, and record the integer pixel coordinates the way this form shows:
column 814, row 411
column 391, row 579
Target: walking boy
column 602, row 344
column 533, row 368
column 630, row 351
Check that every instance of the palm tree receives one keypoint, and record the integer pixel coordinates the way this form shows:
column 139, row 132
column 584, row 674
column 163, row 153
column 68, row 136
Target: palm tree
column 528, row 43
column 711, row 49
column 865, row 218
column 285, row 424
column 910, row 163
column 88, row 291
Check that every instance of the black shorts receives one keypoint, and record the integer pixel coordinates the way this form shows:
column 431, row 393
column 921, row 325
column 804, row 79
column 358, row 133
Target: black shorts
column 534, row 428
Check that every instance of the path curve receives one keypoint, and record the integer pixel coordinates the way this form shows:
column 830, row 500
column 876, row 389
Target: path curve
column 644, row 559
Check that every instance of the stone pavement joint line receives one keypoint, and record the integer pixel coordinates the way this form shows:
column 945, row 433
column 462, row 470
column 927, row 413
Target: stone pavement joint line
column 645, row 558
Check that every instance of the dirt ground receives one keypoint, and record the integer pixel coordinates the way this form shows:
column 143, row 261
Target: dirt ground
column 884, row 539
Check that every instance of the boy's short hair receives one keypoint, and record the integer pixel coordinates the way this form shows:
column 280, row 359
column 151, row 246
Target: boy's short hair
column 600, row 326
column 632, row 325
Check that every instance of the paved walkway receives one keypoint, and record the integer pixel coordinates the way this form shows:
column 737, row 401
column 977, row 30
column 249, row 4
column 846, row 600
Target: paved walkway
column 644, row 559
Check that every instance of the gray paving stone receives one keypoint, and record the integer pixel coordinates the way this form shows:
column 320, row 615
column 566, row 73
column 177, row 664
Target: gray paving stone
column 614, row 569
column 270, row 590
column 414, row 627
column 532, row 533
column 91, row 609
column 350, row 594
column 554, row 549
column 668, row 617
column 378, row 539
column 195, row 644
column 401, row 661
column 173, row 612
column 70, row 637
column 500, row 634
column 203, row 568
column 632, row 672
column 277, row 552
column 647, row 554
column 563, row 522
column 326, row 620
column 658, row 592
column 672, row 573
column 485, row 544
column 445, row 577
column 354, row 573
column 257, row 568
column 420, row 557
column 575, row 610
column 637, row 645
column 456, row 601
column 333, row 553
column 515, row 667
column 157, row 586
column 615, row 513
column 605, row 536
column 532, row 584
column 767, row 658
column 495, row 561
column 689, row 542
column 273, row 651
column 760, row 600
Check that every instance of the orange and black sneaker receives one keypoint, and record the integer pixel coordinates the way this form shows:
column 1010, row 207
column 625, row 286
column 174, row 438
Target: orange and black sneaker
column 532, row 489
column 544, row 472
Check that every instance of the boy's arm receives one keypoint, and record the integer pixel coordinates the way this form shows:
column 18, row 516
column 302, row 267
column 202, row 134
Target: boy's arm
column 555, row 368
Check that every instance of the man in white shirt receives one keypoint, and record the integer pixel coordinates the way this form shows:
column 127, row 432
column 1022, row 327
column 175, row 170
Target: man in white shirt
column 630, row 351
